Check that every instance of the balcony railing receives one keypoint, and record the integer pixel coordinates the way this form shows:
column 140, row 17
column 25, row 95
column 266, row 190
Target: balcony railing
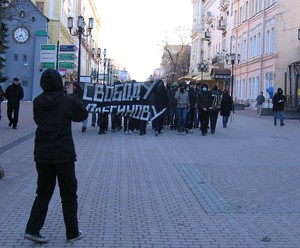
column 221, row 25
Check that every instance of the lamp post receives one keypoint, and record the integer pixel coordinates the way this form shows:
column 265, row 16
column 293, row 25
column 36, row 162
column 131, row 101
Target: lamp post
column 202, row 67
column 79, row 32
column 98, row 55
column 231, row 59
column 104, row 64
column 108, row 68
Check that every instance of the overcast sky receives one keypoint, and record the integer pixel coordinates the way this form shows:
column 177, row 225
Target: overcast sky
column 132, row 31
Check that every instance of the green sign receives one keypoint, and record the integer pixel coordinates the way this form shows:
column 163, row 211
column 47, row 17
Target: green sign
column 48, row 47
column 47, row 65
column 67, row 56
column 67, row 65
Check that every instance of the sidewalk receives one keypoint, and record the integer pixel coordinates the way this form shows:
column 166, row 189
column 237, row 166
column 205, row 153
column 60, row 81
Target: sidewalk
column 234, row 189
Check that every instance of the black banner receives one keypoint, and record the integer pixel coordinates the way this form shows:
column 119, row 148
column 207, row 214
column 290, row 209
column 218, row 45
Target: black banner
column 143, row 101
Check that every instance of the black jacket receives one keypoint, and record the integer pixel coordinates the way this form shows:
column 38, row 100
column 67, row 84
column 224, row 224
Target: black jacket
column 203, row 98
column 14, row 94
column 278, row 100
column 226, row 105
column 193, row 97
column 53, row 112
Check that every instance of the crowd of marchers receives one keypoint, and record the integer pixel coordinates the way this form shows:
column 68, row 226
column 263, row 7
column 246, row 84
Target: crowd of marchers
column 197, row 106
column 191, row 106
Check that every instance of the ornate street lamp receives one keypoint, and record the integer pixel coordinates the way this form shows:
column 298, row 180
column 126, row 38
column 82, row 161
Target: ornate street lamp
column 104, row 64
column 79, row 32
column 202, row 67
column 98, row 55
column 231, row 59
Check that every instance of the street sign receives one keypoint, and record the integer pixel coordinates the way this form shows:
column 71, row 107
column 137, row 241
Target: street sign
column 67, row 65
column 48, row 53
column 67, row 48
column 67, row 56
column 47, row 65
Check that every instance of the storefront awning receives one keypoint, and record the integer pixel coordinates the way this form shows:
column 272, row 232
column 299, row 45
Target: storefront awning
column 220, row 74
column 187, row 77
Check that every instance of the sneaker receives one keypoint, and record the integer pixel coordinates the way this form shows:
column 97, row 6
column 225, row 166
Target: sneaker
column 156, row 133
column 80, row 236
column 83, row 129
column 10, row 124
column 36, row 238
column 126, row 132
column 183, row 133
column 191, row 131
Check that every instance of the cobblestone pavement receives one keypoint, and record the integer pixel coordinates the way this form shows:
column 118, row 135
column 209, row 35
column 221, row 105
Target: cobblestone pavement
column 237, row 188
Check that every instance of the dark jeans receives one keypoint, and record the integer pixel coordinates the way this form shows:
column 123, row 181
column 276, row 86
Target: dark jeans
column 213, row 117
column 204, row 120
column 191, row 118
column 13, row 114
column 181, row 114
column 173, row 117
column 47, row 174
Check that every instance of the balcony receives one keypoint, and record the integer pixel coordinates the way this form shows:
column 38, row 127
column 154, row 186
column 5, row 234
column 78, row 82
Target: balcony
column 221, row 25
column 224, row 4
column 217, row 60
column 207, row 35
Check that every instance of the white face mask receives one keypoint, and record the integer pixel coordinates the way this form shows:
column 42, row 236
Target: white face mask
column 204, row 89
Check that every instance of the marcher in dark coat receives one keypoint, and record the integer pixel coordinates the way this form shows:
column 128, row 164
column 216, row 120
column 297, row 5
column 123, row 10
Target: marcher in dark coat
column 54, row 154
column 14, row 94
column 214, row 108
column 203, row 103
column 226, row 107
column 193, row 102
column 278, row 106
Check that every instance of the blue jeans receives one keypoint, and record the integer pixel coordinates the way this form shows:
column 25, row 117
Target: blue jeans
column 280, row 113
column 181, row 114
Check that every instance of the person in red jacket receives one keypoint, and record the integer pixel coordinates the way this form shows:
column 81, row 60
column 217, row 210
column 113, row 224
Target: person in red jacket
column 54, row 154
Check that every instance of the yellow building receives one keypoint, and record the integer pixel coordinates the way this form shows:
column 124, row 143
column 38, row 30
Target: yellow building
column 58, row 12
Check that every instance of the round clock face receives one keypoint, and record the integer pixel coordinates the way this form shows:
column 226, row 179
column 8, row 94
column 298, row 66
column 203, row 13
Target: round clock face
column 21, row 35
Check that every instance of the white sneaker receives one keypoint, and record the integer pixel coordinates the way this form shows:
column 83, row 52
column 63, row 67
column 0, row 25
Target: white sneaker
column 191, row 131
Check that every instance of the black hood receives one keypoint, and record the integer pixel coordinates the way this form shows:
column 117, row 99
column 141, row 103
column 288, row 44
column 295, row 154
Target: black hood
column 51, row 81
column 279, row 91
column 204, row 86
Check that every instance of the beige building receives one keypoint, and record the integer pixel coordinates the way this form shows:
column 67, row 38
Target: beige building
column 265, row 35
column 58, row 12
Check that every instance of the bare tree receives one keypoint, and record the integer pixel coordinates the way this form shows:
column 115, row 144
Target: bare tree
column 176, row 57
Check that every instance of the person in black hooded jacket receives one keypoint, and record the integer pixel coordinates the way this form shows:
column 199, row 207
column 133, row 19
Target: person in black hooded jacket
column 278, row 106
column 203, row 103
column 54, row 154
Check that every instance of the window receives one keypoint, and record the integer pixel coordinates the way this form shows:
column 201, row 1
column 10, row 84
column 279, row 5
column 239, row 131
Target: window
column 16, row 57
column 258, row 44
column 25, row 82
column 252, row 7
column 272, row 40
column 249, row 89
column 251, row 48
column 40, row 6
column 244, row 53
column 246, row 10
column 24, row 57
column 268, row 42
column 254, row 50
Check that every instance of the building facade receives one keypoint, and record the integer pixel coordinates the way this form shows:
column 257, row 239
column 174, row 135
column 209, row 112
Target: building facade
column 262, row 32
column 46, row 23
